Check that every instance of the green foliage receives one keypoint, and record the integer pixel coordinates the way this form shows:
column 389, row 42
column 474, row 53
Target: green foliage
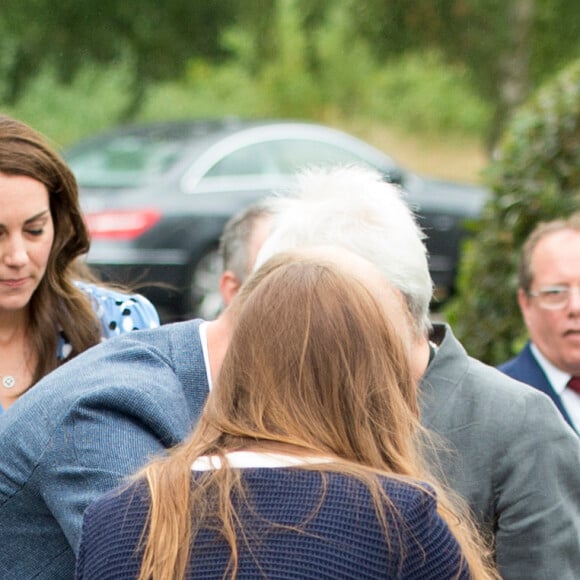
column 509, row 48
column 345, row 66
column 422, row 93
column 498, row 49
column 536, row 177
column 66, row 112
column 325, row 69
column 281, row 58
column 292, row 59
column 286, row 78
column 280, row 85
column 69, row 35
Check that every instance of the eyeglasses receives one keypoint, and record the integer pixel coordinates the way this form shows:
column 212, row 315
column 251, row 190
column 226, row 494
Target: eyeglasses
column 554, row 297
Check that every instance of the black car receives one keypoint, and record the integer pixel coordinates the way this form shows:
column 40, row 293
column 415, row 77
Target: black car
column 157, row 196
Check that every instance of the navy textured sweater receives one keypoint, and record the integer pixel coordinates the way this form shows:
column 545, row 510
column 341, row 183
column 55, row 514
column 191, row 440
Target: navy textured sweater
column 339, row 537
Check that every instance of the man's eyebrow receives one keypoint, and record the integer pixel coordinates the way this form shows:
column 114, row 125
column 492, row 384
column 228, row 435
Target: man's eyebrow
column 37, row 216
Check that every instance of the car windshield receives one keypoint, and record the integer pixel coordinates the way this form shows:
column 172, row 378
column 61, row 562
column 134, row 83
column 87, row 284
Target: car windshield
column 125, row 160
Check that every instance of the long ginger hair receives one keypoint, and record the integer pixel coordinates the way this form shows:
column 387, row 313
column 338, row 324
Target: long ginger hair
column 314, row 368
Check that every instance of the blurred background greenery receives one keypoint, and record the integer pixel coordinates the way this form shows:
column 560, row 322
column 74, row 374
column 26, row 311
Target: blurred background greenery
column 432, row 82
column 534, row 176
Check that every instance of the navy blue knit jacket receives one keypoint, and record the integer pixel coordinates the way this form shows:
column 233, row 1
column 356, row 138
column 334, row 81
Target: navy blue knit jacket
column 340, row 537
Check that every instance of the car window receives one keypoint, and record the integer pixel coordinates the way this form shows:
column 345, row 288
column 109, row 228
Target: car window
column 270, row 163
column 279, row 157
column 253, row 159
column 293, row 154
column 123, row 162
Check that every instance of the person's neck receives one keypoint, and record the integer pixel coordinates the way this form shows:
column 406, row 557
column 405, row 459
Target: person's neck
column 13, row 327
column 17, row 361
column 218, row 334
column 421, row 352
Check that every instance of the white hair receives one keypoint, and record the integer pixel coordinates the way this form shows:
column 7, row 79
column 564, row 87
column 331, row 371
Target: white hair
column 353, row 207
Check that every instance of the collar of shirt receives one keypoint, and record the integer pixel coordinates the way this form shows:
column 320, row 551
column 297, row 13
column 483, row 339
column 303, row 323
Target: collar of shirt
column 203, row 338
column 241, row 459
column 558, row 379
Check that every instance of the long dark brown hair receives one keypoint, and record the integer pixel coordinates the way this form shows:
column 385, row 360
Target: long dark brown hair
column 57, row 304
column 314, row 367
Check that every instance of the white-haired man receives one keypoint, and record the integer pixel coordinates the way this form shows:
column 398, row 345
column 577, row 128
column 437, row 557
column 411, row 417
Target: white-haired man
column 503, row 446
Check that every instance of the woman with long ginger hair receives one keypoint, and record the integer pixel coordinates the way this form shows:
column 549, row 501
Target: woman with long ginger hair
column 304, row 463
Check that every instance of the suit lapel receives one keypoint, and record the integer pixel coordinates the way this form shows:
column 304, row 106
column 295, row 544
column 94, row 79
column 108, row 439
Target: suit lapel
column 526, row 369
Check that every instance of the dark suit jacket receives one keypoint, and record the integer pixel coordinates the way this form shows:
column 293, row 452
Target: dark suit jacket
column 525, row 368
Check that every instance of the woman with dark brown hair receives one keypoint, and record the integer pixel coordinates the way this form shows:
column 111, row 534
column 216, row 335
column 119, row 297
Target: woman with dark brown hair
column 304, row 463
column 50, row 308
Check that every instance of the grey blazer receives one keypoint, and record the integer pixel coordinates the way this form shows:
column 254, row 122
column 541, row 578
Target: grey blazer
column 510, row 454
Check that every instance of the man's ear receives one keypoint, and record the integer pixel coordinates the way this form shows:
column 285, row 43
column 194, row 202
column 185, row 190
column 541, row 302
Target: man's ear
column 229, row 286
column 524, row 302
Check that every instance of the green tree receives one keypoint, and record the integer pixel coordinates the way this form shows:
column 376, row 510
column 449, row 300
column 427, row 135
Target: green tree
column 156, row 38
column 504, row 48
column 536, row 177
column 508, row 48
column 321, row 70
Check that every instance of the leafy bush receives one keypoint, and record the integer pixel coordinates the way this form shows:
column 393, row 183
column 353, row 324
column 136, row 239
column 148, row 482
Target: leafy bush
column 66, row 112
column 319, row 72
column 422, row 93
column 535, row 177
column 330, row 72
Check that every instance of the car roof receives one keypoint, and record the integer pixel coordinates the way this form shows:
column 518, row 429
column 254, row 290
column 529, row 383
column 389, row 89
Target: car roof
column 193, row 129
column 203, row 138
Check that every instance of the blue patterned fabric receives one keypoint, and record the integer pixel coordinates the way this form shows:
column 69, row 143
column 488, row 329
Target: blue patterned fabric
column 118, row 312
column 338, row 535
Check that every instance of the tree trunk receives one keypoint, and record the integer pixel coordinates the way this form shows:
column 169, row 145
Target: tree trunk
column 514, row 66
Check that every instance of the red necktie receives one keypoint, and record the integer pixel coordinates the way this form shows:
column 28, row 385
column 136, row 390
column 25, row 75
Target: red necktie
column 574, row 384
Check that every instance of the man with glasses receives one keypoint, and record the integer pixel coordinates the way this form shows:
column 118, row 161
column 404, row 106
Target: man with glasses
column 549, row 299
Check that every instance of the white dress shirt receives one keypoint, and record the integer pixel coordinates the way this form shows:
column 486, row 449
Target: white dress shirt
column 559, row 379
